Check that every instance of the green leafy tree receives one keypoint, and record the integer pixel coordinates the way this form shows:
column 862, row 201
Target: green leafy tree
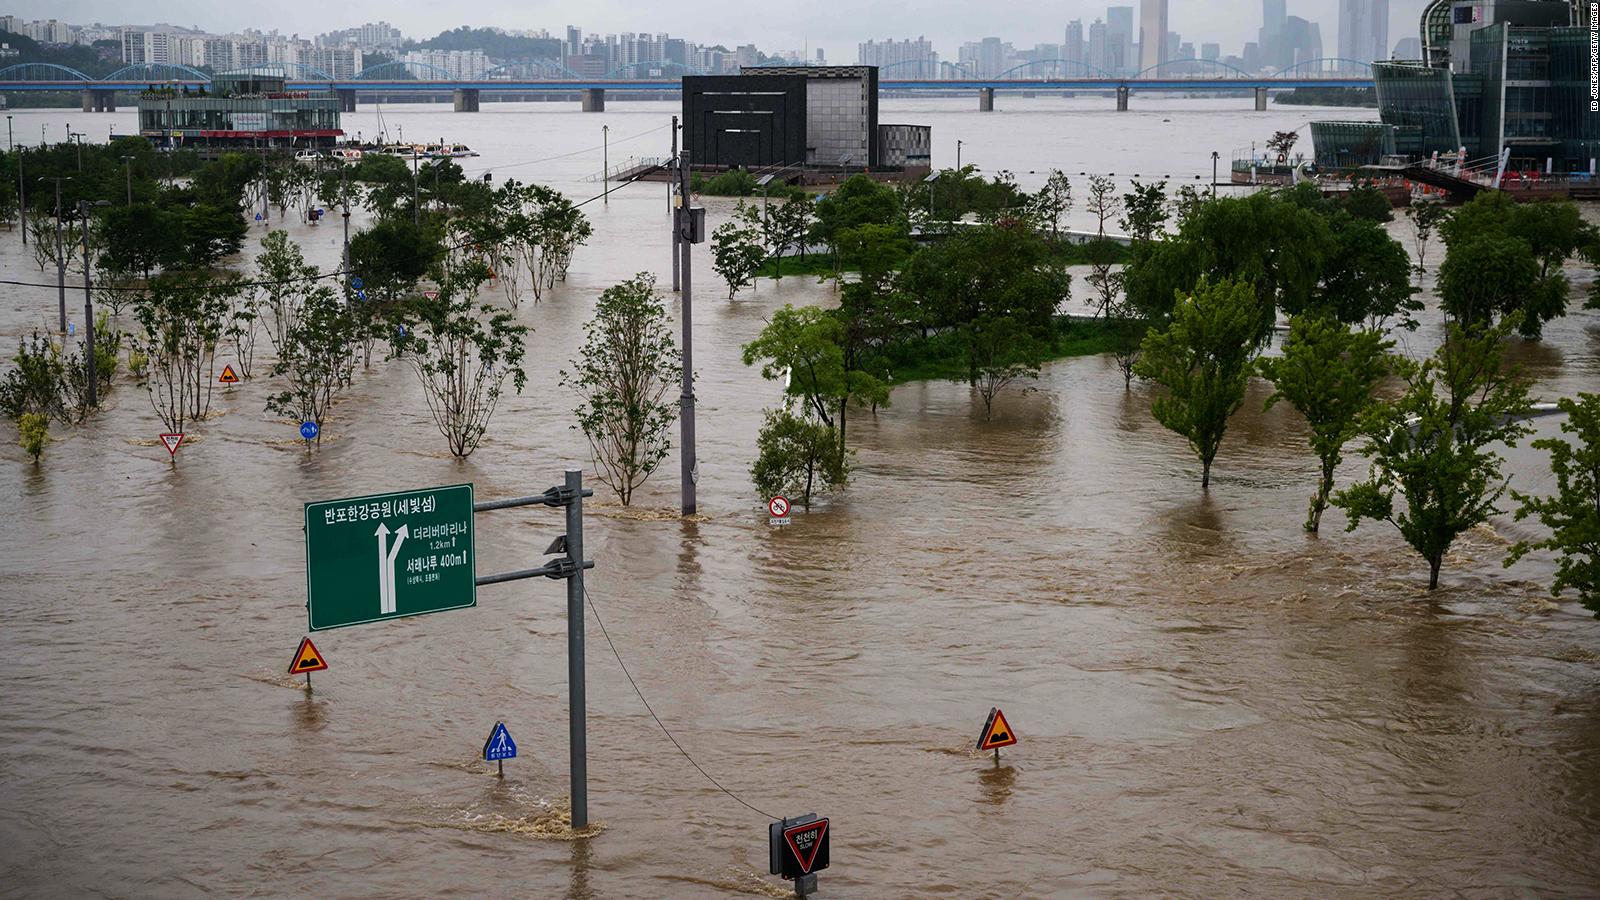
column 1504, row 257
column 136, row 238
column 806, row 347
column 784, row 227
column 1366, row 277
column 1282, row 143
column 1328, row 372
column 1144, row 211
column 1368, row 204
column 624, row 376
column 1006, row 353
column 1573, row 514
column 33, row 385
column 182, row 317
column 1049, row 208
column 1485, row 277
column 1435, row 444
column 463, row 353
column 795, row 456
column 1425, row 216
column 1203, row 360
column 316, row 358
column 859, row 201
column 736, row 250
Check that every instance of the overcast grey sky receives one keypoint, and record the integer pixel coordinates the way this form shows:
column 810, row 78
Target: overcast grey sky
column 773, row 25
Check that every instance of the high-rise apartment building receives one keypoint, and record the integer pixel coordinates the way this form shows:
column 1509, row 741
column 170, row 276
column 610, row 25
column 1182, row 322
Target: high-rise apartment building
column 1098, row 39
column 903, row 59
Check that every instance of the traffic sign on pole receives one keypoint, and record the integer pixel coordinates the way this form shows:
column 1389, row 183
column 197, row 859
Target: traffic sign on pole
column 307, row 659
column 228, row 376
column 779, row 507
column 308, row 430
column 997, row 732
column 499, row 747
column 172, row 440
column 388, row 556
column 798, row 849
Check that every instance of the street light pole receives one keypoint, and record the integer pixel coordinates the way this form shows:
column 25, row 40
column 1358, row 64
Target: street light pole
column 605, row 161
column 22, row 193
column 88, row 306
column 416, row 196
column 958, row 155
column 673, row 209
column 1214, row 157
column 61, row 253
column 127, row 167
column 689, row 469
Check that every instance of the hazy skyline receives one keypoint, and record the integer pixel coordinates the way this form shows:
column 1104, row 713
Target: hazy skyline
column 836, row 27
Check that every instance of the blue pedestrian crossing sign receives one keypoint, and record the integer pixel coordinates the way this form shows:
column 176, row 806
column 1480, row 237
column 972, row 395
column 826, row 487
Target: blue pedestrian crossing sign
column 499, row 746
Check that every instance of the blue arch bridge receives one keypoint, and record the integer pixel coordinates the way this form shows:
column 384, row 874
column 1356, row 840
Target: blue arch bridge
column 661, row 79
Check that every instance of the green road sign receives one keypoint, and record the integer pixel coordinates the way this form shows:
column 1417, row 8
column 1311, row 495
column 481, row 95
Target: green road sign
column 388, row 556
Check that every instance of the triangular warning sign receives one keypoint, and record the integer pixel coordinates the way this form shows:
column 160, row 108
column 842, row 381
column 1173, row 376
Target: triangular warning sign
column 172, row 440
column 307, row 659
column 805, row 841
column 228, row 376
column 996, row 731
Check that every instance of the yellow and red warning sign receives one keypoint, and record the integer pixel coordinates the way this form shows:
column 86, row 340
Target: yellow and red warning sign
column 228, row 376
column 997, row 731
column 307, row 659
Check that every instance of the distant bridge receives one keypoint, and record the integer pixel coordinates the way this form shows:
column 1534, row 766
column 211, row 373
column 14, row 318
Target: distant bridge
column 414, row 78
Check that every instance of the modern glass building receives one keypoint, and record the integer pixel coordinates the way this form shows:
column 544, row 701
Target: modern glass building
column 1495, row 74
column 240, row 110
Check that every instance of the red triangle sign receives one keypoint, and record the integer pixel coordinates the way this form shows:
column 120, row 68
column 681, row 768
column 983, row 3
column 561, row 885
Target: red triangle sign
column 805, row 840
column 307, row 659
column 172, row 441
column 996, row 731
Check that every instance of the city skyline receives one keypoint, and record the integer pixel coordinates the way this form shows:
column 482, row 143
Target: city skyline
column 946, row 25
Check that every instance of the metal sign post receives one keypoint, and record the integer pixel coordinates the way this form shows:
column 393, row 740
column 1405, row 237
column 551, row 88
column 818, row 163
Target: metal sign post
column 426, row 563
column 685, row 221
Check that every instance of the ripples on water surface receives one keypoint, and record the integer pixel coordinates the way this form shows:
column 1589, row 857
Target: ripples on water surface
column 1209, row 703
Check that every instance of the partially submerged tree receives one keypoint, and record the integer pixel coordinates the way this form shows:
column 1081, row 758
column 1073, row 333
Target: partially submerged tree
column 1328, row 373
column 1203, row 360
column 181, row 317
column 736, row 249
column 1049, row 207
column 625, row 375
column 316, row 359
column 1573, row 514
column 1006, row 353
column 796, row 456
column 1436, row 445
column 463, row 353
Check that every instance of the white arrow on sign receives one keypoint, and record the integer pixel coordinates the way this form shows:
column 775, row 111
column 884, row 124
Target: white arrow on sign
column 386, row 557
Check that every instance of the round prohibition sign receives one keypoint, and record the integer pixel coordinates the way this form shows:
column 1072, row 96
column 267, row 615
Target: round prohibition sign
column 778, row 506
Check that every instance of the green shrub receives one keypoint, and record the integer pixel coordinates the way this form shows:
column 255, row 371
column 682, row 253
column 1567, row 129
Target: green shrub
column 34, row 386
column 33, row 431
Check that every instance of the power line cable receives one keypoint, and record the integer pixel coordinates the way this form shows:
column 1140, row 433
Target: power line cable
column 662, row 725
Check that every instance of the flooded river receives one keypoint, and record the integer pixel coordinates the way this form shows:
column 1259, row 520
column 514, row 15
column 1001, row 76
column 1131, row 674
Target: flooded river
column 1210, row 703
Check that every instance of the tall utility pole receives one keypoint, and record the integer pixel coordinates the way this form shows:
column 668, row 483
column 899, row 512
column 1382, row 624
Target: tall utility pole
column 689, row 470
column 88, row 306
column 61, row 253
column 577, row 733
column 344, row 198
column 416, row 195
column 127, row 168
column 22, row 193
column 605, row 162
column 672, row 207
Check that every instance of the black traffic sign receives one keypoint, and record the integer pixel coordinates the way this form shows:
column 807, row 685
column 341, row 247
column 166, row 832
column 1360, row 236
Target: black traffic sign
column 799, row 847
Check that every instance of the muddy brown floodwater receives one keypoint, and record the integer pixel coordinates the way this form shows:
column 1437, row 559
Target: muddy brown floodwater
column 1209, row 702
